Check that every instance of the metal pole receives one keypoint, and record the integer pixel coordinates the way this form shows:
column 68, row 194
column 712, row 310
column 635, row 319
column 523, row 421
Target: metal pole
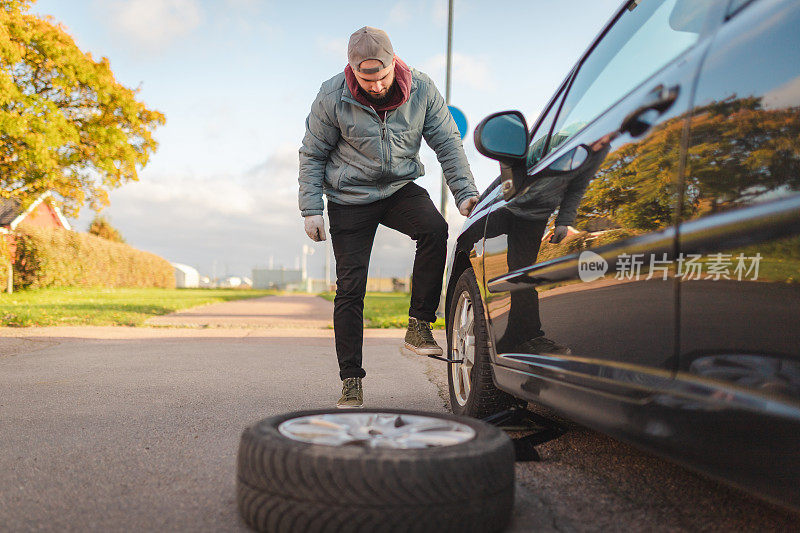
column 447, row 91
column 441, row 310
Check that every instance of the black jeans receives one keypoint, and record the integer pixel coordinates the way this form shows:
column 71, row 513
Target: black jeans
column 410, row 211
column 524, row 321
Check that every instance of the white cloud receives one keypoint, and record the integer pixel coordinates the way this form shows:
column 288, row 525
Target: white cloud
column 471, row 71
column 440, row 12
column 400, row 13
column 151, row 24
column 405, row 11
column 333, row 47
column 232, row 223
column 246, row 4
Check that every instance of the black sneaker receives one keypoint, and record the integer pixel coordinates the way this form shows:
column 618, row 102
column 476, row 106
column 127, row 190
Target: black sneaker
column 419, row 338
column 352, row 394
column 543, row 345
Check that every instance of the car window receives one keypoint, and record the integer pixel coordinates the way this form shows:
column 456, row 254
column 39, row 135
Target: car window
column 539, row 137
column 646, row 36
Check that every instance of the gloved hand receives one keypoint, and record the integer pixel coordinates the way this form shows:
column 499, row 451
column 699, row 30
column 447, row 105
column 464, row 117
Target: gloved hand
column 315, row 228
column 466, row 206
column 558, row 234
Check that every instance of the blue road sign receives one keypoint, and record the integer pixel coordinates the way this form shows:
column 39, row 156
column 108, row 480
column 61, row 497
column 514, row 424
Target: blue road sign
column 460, row 118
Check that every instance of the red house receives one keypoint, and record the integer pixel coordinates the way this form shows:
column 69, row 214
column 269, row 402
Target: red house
column 42, row 213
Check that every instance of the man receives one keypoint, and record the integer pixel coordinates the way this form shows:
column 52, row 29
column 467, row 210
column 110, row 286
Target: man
column 361, row 149
column 523, row 220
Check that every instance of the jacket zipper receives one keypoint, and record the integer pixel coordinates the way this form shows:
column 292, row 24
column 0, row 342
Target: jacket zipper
column 385, row 136
column 385, row 145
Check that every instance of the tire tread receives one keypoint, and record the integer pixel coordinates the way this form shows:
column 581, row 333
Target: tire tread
column 286, row 485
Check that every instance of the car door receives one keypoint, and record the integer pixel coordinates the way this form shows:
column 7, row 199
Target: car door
column 609, row 171
column 740, row 251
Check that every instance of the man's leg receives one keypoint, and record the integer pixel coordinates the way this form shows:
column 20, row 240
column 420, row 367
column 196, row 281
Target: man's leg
column 352, row 233
column 411, row 211
column 524, row 331
column 524, row 240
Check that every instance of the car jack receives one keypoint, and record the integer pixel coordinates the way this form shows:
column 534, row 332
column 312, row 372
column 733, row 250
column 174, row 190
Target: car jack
column 451, row 361
column 518, row 418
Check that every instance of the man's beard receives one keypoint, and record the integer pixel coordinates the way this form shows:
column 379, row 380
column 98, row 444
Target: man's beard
column 382, row 100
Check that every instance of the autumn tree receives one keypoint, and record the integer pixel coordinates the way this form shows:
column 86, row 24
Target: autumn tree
column 101, row 227
column 66, row 124
column 635, row 186
column 738, row 151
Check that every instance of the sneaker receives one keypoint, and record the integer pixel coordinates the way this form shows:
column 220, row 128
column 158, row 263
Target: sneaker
column 352, row 394
column 543, row 345
column 419, row 338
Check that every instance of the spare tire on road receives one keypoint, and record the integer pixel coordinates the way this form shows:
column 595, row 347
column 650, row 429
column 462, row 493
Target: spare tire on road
column 374, row 470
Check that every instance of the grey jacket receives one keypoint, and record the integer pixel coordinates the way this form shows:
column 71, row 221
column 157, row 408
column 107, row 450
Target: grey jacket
column 354, row 158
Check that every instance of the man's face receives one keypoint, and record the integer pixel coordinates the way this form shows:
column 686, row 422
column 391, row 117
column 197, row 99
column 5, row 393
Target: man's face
column 378, row 84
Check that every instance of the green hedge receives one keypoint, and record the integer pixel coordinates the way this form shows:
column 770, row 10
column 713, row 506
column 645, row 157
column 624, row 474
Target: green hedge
column 61, row 258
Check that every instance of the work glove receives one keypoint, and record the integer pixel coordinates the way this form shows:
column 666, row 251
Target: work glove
column 465, row 208
column 315, row 228
column 558, row 234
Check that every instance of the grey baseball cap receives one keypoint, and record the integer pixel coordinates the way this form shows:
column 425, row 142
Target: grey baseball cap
column 369, row 43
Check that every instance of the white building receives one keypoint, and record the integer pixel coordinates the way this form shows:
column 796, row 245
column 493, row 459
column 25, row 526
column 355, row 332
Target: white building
column 186, row 276
column 235, row 282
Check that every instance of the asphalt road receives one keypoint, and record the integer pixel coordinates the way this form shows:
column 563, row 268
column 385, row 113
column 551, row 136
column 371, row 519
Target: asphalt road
column 118, row 429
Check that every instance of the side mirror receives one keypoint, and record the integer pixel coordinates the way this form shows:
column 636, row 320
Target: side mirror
column 571, row 161
column 504, row 137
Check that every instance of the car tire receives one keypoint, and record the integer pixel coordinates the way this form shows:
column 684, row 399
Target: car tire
column 285, row 483
column 471, row 383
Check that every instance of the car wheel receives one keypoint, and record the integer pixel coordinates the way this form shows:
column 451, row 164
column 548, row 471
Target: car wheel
column 372, row 470
column 471, row 382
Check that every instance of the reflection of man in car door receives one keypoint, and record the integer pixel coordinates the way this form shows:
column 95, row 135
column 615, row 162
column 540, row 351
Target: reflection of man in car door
column 524, row 220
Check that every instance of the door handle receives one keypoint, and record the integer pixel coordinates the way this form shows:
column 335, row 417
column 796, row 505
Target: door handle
column 659, row 100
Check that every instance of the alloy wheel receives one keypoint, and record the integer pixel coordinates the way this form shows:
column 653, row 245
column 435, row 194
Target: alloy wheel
column 377, row 430
column 463, row 347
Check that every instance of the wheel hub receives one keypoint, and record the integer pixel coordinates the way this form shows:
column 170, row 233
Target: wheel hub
column 377, row 430
column 463, row 335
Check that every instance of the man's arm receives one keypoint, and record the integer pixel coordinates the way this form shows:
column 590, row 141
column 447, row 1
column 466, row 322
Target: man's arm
column 441, row 134
column 578, row 185
column 568, row 209
column 320, row 139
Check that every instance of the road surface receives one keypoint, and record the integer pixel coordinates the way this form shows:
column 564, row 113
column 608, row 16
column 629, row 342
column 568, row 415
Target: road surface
column 119, row 429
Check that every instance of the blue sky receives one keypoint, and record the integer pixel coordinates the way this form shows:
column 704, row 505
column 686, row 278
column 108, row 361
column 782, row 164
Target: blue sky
column 236, row 79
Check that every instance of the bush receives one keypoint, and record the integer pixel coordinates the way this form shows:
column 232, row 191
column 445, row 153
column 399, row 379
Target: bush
column 101, row 227
column 61, row 258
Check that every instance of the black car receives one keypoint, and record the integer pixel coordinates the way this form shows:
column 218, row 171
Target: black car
column 636, row 265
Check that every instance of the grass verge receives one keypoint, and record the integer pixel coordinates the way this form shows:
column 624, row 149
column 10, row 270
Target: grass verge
column 386, row 309
column 106, row 307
